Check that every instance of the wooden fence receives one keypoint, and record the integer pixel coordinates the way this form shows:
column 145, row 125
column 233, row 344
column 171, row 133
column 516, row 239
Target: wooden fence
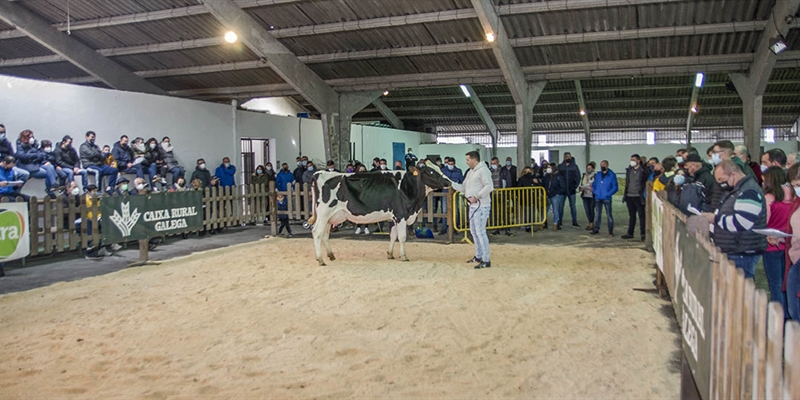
column 753, row 354
column 59, row 225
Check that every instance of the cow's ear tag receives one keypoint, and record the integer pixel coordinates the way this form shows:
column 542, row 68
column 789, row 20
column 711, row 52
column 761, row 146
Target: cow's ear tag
column 416, row 172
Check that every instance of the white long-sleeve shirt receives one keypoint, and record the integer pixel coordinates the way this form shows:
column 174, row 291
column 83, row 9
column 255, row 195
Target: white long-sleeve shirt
column 478, row 184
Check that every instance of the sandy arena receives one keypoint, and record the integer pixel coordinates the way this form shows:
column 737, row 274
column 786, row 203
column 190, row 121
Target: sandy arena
column 263, row 320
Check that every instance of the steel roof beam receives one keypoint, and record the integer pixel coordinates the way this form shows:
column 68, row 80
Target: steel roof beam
column 485, row 117
column 388, row 114
column 74, row 51
column 691, row 113
column 585, row 119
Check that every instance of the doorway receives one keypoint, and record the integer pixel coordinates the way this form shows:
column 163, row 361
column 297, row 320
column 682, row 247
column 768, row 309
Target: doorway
column 255, row 152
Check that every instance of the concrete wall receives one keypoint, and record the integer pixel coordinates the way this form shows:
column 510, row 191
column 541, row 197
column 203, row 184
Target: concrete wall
column 282, row 106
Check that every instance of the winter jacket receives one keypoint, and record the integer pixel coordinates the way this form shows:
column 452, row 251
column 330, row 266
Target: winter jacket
column 642, row 175
column 257, row 179
column 605, row 185
column 203, row 175
column 154, row 156
column 308, row 176
column 298, row 174
column 6, row 149
column 455, row 175
column 283, row 180
column 571, row 175
column 66, row 158
column 744, row 167
column 741, row 210
column 283, row 205
column 588, row 180
column 29, row 157
column 525, row 180
column 91, row 155
column 227, row 176
column 506, row 179
column 711, row 190
column 168, row 156
column 512, row 173
column 123, row 155
column 478, row 184
column 6, row 176
column 555, row 185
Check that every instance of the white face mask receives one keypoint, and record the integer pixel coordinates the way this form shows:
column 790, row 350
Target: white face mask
column 679, row 159
column 75, row 191
column 227, row 165
column 269, row 168
column 764, row 169
column 140, row 186
column 797, row 191
column 203, row 166
column 383, row 166
column 715, row 159
column 48, row 149
column 679, row 180
column 152, row 145
column 634, row 164
column 549, row 170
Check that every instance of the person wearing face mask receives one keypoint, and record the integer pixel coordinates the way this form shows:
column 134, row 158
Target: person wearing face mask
column 724, row 150
column 635, row 187
column 511, row 169
column 604, row 187
column 8, row 187
column 742, row 209
column 6, row 149
column 259, row 177
column 398, row 166
column 587, row 195
column 153, row 161
column 299, row 170
column 410, row 158
column 92, row 159
column 124, row 155
column 35, row 161
column 778, row 196
column 572, row 178
column 178, row 186
column 269, row 171
column 66, row 159
column 202, row 174
column 452, row 172
column 330, row 166
column 308, row 176
column 285, row 179
column 664, row 172
column 701, row 172
column 791, row 277
column 773, row 158
column 741, row 152
column 383, row 165
column 556, row 190
column 226, row 173
column 349, row 169
column 500, row 180
column 62, row 177
column 123, row 187
column 170, row 162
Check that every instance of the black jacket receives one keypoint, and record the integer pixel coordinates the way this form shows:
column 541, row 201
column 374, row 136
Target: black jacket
column 66, row 158
column 526, row 181
column 643, row 175
column 298, row 174
column 571, row 176
column 203, row 175
column 555, row 185
column 512, row 172
column 6, row 148
column 711, row 189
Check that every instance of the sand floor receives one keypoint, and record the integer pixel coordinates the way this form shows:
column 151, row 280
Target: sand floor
column 263, row 320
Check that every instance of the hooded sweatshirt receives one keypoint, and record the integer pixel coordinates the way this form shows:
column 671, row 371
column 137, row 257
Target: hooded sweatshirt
column 478, row 184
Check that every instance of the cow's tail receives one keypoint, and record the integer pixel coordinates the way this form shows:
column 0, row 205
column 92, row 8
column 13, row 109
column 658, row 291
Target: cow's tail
column 313, row 201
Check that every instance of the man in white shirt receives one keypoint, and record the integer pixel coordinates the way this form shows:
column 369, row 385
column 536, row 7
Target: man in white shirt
column 477, row 188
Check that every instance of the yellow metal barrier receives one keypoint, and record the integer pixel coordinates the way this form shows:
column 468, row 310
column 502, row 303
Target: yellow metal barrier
column 511, row 208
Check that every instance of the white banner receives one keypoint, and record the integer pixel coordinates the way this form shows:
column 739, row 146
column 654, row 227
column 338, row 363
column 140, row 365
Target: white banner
column 14, row 231
column 657, row 231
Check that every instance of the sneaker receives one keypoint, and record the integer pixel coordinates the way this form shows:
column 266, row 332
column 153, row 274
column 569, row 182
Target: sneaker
column 610, row 234
column 594, row 232
column 366, row 231
column 290, row 235
column 626, row 236
column 575, row 224
column 484, row 264
column 474, row 259
column 495, row 232
column 115, row 247
column 93, row 256
column 643, row 238
column 358, row 231
column 508, row 233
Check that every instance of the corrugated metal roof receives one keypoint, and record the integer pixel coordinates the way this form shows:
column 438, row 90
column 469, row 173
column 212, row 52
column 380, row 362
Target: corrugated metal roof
column 160, row 31
column 45, row 71
column 187, row 58
column 56, row 11
column 22, row 47
column 218, row 79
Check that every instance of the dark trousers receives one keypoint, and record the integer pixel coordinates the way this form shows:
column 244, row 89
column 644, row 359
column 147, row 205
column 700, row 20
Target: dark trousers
column 572, row 211
column 635, row 206
column 588, row 206
column 284, row 224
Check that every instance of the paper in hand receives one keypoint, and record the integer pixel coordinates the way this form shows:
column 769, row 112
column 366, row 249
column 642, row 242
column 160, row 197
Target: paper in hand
column 772, row 232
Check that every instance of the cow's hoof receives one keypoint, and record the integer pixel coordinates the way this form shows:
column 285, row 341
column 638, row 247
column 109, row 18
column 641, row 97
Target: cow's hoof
column 404, row 258
column 322, row 263
column 390, row 255
column 332, row 258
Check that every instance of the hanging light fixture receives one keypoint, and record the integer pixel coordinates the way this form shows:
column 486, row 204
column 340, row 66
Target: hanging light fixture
column 231, row 37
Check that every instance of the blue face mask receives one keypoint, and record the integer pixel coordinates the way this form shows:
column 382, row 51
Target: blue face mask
column 451, row 167
column 679, row 180
column 349, row 170
column 311, row 168
column 508, row 163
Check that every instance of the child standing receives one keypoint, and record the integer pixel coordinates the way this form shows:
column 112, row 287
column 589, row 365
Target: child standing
column 283, row 205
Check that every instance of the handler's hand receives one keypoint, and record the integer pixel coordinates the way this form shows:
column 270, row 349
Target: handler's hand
column 472, row 200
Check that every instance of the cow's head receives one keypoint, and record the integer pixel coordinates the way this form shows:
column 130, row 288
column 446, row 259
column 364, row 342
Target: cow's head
column 431, row 175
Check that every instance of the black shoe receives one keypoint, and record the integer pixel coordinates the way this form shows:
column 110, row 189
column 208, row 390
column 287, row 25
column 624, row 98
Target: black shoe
column 508, row 233
column 626, row 236
column 93, row 256
column 474, row 259
column 575, row 224
column 495, row 232
column 2, row 272
column 443, row 232
column 643, row 238
column 594, row 232
column 483, row 265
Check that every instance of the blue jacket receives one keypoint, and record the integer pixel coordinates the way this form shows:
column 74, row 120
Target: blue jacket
column 6, row 176
column 123, row 155
column 29, row 157
column 555, row 185
column 455, row 175
column 284, row 179
column 227, row 176
column 605, row 185
column 283, row 206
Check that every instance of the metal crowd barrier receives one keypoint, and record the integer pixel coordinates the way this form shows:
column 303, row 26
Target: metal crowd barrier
column 511, row 208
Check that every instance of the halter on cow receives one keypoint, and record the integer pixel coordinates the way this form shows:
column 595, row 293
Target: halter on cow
column 371, row 197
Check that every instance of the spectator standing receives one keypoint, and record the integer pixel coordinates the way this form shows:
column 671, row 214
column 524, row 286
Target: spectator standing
column 700, row 172
column 587, row 195
column 572, row 179
column 556, row 190
column 309, row 174
column 743, row 154
column 455, row 175
column 410, row 158
column 526, row 206
column 331, row 166
column 67, row 159
column 360, row 169
column 791, row 277
column 170, row 162
column 741, row 210
column 773, row 158
column 93, row 159
column 723, row 151
column 778, row 196
column 511, row 169
column 202, row 174
column 284, row 179
column 6, row 149
column 792, row 159
column 33, row 160
column 226, row 173
column 500, row 180
column 635, row 187
column 604, row 187
column 299, row 170
column 398, row 166
column 123, row 154
column 259, row 177
column 668, row 167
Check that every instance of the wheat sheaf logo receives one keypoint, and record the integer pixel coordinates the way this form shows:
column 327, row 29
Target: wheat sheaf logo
column 127, row 220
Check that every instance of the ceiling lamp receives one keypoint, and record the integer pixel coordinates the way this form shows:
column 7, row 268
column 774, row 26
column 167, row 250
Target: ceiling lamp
column 385, row 92
column 693, row 109
column 465, row 90
column 230, row 37
column 582, row 112
column 698, row 80
column 777, row 45
column 490, row 37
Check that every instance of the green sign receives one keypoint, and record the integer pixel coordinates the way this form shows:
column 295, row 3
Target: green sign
column 14, row 231
column 693, row 304
column 126, row 218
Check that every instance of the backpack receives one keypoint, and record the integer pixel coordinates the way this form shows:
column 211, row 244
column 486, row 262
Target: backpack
column 691, row 195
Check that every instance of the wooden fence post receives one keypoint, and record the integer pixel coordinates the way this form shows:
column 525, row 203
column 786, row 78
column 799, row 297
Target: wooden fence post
column 760, row 353
column 748, row 331
column 791, row 361
column 774, row 361
column 34, row 221
column 450, row 214
column 273, row 208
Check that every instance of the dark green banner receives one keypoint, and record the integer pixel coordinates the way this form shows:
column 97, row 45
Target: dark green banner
column 126, row 218
column 693, row 304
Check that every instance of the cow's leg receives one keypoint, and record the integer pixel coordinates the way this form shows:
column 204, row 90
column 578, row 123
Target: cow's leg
column 327, row 242
column 402, row 232
column 319, row 235
column 392, row 238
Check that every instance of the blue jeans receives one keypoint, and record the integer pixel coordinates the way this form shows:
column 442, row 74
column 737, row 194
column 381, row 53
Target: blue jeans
column 598, row 217
column 102, row 171
column 69, row 175
column 21, row 174
column 792, row 288
column 573, row 212
column 177, row 172
column 746, row 262
column 558, row 207
column 775, row 266
column 136, row 169
column 477, row 223
column 48, row 173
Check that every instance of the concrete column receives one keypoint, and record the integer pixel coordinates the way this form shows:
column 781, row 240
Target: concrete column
column 336, row 137
column 751, row 108
column 524, row 115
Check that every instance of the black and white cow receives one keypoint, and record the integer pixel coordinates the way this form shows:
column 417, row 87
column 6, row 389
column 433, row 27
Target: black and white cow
column 371, row 197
